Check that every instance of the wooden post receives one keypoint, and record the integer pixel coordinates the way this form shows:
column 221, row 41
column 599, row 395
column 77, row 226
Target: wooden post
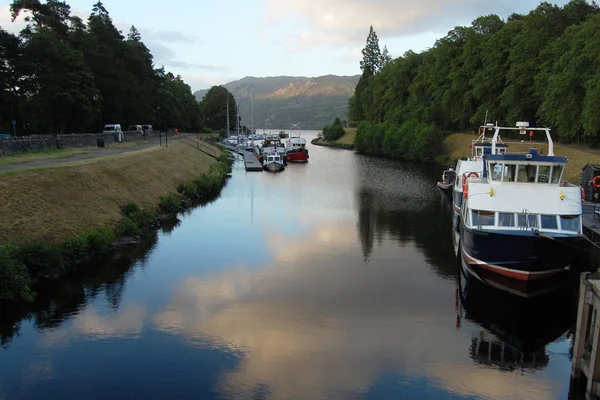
column 583, row 313
column 594, row 368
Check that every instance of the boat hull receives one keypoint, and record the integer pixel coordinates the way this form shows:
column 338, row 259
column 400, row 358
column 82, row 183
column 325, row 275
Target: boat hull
column 297, row 156
column 446, row 188
column 521, row 255
column 273, row 167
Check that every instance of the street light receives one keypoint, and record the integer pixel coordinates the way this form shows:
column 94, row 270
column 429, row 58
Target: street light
column 96, row 97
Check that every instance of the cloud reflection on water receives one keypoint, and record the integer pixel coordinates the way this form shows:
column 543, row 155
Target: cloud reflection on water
column 314, row 325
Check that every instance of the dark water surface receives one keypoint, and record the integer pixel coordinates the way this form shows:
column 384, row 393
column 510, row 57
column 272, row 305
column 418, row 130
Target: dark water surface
column 335, row 279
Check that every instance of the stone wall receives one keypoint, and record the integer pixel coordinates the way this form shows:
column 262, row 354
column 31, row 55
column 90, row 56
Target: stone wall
column 27, row 144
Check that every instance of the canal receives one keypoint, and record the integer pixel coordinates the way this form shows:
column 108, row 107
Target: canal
column 334, row 279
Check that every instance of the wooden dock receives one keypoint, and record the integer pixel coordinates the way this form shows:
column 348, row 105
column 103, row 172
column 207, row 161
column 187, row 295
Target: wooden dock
column 250, row 160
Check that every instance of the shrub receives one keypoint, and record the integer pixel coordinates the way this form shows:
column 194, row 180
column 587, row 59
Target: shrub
column 206, row 130
column 187, row 189
column 127, row 227
column 14, row 278
column 169, row 203
column 75, row 248
column 334, row 131
column 40, row 259
column 99, row 240
column 130, row 208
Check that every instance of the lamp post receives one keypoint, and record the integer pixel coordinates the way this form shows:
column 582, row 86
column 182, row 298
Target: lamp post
column 96, row 97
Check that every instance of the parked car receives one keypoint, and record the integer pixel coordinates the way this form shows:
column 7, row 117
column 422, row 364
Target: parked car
column 147, row 129
column 116, row 129
column 135, row 128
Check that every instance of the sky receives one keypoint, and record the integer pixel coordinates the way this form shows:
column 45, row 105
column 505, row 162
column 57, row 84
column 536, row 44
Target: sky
column 214, row 42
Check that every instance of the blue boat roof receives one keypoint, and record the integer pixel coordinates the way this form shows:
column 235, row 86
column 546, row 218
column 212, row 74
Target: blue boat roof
column 523, row 157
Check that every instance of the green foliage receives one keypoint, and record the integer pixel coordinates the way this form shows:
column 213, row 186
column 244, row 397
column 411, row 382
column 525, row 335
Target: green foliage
column 540, row 67
column 99, row 240
column 334, row 131
column 128, row 227
column 41, row 259
column 169, row 203
column 130, row 208
column 412, row 140
column 187, row 189
column 14, row 279
column 75, row 249
column 62, row 74
column 214, row 108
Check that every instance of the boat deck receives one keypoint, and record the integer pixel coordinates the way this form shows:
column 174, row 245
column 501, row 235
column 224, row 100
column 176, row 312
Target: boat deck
column 591, row 216
column 250, row 160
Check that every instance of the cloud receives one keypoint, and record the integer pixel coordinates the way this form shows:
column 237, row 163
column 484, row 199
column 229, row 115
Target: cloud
column 346, row 22
column 168, row 36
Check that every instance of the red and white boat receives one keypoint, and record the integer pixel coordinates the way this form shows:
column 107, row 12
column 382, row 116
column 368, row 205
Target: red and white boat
column 296, row 147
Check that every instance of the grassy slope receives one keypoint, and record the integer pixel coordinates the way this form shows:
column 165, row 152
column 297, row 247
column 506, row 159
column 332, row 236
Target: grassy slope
column 458, row 146
column 347, row 139
column 56, row 202
column 42, row 155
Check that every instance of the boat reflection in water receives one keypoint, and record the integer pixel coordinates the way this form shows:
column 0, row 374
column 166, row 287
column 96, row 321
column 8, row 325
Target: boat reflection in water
column 520, row 319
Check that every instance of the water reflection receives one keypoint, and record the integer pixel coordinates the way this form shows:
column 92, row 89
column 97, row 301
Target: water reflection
column 58, row 302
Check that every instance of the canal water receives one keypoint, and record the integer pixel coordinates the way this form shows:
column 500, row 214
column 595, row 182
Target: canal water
column 336, row 279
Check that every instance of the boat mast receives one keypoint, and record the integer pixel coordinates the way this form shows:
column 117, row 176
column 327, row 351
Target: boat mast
column 227, row 116
column 251, row 111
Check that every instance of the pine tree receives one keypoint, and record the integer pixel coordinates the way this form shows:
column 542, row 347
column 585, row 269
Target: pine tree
column 385, row 57
column 371, row 62
column 134, row 34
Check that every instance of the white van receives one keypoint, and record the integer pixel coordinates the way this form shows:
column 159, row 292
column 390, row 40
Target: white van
column 112, row 128
column 135, row 128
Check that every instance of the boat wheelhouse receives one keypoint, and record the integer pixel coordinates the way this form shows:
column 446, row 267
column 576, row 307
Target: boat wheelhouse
column 479, row 148
column 273, row 162
column 519, row 218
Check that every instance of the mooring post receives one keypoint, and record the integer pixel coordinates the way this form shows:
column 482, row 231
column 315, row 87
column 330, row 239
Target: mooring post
column 583, row 313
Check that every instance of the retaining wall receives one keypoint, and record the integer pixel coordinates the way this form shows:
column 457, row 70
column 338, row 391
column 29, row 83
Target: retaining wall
column 27, row 144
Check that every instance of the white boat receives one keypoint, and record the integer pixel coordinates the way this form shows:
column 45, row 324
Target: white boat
column 273, row 162
column 474, row 164
column 519, row 218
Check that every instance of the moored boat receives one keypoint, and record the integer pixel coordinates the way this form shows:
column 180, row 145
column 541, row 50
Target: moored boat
column 519, row 218
column 447, row 182
column 273, row 162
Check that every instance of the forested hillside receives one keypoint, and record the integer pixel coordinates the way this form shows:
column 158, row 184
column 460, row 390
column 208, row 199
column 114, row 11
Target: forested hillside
column 281, row 101
column 61, row 75
column 543, row 67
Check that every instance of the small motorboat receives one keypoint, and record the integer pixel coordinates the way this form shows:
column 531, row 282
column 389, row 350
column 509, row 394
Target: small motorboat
column 447, row 182
column 273, row 162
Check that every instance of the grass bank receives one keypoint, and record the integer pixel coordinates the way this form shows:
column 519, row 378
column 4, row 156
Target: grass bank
column 457, row 146
column 55, row 218
column 48, row 154
column 345, row 142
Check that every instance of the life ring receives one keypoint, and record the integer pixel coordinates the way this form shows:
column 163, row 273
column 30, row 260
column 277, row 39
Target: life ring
column 596, row 181
column 582, row 195
column 476, row 175
column 465, row 188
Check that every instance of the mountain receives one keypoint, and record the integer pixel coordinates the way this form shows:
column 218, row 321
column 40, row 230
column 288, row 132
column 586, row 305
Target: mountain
column 283, row 100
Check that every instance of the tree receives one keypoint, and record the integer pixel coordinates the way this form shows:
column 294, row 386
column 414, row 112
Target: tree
column 385, row 57
column 214, row 108
column 371, row 61
column 134, row 35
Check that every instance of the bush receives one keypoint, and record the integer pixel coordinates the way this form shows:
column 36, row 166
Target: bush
column 130, row 208
column 75, row 248
column 127, row 227
column 40, row 259
column 334, row 131
column 169, row 203
column 187, row 189
column 99, row 240
column 14, row 278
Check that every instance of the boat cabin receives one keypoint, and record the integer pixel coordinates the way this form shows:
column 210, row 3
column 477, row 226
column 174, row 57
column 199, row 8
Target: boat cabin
column 524, row 168
column 273, row 158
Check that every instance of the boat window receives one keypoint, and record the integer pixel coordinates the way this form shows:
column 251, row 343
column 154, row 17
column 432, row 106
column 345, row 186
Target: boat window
column 549, row 222
column 479, row 152
column 526, row 173
column 569, row 223
column 482, row 218
column 557, row 172
column 544, row 174
column 526, row 220
column 509, row 173
column 521, row 173
column 506, row 219
column 496, row 170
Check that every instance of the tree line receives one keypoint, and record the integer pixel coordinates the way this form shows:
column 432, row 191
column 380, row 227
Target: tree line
column 64, row 75
column 543, row 67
